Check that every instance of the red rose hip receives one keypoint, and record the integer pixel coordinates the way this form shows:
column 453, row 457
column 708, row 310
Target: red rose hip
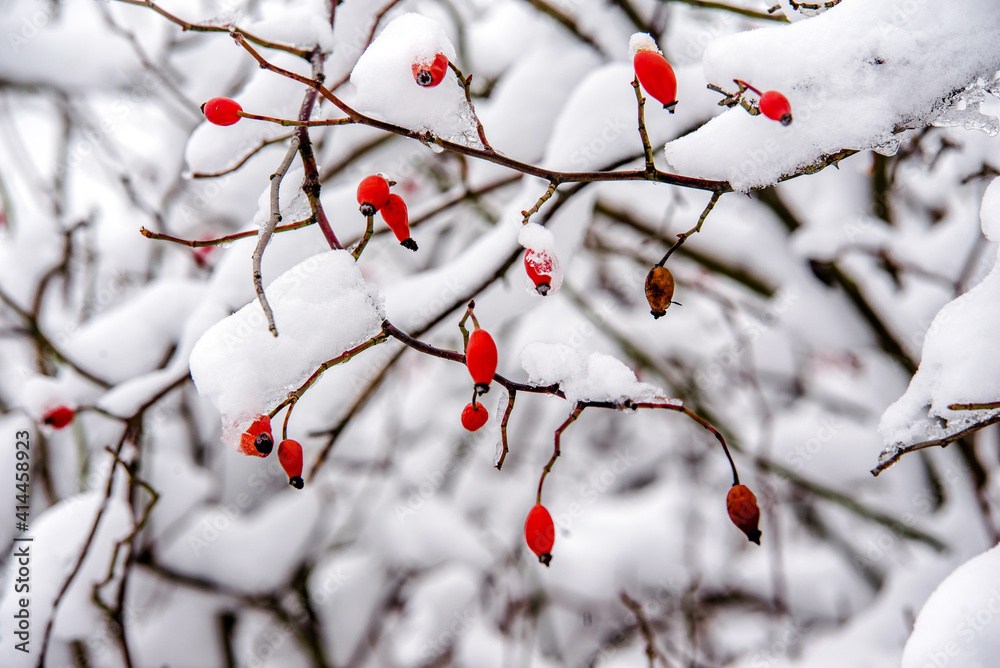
column 430, row 74
column 257, row 441
column 775, row 106
column 395, row 216
column 474, row 416
column 540, row 533
column 481, row 359
column 540, row 265
column 222, row 111
column 373, row 192
column 744, row 512
column 59, row 417
column 290, row 458
column 657, row 77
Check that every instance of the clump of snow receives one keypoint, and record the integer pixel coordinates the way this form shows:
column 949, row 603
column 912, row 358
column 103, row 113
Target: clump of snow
column 303, row 23
column 41, row 394
column 959, row 624
column 133, row 338
column 546, row 72
column 854, row 76
column 989, row 211
column 641, row 41
column 58, row 536
column 322, row 307
column 598, row 377
column 504, row 34
column 387, row 90
column 536, row 237
column 248, row 551
column 960, row 362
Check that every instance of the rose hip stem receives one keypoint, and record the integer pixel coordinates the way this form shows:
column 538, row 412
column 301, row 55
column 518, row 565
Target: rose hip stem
column 744, row 84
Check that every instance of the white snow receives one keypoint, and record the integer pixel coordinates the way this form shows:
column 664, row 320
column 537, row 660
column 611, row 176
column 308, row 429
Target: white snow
column 536, row 237
column 249, row 551
column 301, row 23
column 854, row 75
column 960, row 362
column 386, row 88
column 641, row 41
column 41, row 394
column 322, row 307
column 58, row 536
column 133, row 338
column 408, row 539
column 959, row 625
column 989, row 211
column 598, row 377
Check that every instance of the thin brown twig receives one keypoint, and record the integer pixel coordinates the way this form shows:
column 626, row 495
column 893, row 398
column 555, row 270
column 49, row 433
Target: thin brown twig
column 371, row 36
column 268, row 229
column 681, row 238
column 311, row 185
column 114, row 614
column 349, row 414
column 466, row 83
column 469, row 313
column 298, row 124
column 503, row 428
column 46, row 344
column 197, row 27
column 292, row 398
column 496, row 158
column 229, row 238
column 567, row 22
column 647, row 149
column 127, row 434
column 652, row 653
column 364, row 239
column 742, row 11
column 242, row 161
column 887, row 461
column 556, row 451
column 680, row 408
column 549, row 192
column 989, row 405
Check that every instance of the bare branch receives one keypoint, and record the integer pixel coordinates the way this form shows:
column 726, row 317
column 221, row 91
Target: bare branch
column 268, row 230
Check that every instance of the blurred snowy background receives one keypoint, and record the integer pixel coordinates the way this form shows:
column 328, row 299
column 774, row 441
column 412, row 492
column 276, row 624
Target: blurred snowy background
column 810, row 298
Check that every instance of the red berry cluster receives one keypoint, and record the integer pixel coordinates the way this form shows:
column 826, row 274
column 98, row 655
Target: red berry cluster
column 257, row 441
column 655, row 75
column 659, row 81
column 374, row 195
column 481, row 361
